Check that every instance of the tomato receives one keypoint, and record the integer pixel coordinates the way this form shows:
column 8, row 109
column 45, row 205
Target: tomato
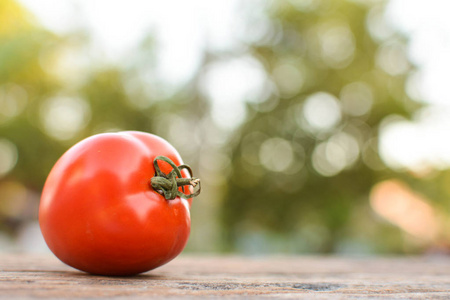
column 99, row 212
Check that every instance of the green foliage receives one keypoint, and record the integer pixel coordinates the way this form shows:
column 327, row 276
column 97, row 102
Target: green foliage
column 282, row 199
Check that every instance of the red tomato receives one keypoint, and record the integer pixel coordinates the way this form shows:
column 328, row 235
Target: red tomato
column 99, row 213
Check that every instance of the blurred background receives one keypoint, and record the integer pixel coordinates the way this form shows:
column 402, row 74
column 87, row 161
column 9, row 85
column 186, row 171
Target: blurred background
column 318, row 126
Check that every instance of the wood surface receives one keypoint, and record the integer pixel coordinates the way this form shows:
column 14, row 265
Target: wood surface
column 43, row 276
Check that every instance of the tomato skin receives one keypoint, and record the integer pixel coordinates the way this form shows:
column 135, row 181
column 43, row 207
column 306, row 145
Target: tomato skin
column 99, row 214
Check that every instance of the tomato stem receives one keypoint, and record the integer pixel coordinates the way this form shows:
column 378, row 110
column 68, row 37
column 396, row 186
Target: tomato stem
column 169, row 184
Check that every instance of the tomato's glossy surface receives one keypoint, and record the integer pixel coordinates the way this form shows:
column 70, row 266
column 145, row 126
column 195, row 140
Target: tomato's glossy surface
column 99, row 214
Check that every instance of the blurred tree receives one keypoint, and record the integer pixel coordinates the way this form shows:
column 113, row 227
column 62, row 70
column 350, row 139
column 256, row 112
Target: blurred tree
column 23, row 83
column 305, row 160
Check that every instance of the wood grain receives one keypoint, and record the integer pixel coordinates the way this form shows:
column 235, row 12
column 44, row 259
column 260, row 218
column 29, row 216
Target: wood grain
column 43, row 276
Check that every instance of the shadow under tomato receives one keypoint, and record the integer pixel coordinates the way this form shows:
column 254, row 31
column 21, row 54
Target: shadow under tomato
column 116, row 279
column 79, row 275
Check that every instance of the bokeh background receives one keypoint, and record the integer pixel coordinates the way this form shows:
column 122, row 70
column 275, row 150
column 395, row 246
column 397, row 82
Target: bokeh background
column 318, row 126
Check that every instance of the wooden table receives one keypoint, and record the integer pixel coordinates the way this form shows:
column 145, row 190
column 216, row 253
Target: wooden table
column 31, row 276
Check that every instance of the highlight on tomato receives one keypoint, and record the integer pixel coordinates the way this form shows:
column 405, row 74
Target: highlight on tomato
column 118, row 204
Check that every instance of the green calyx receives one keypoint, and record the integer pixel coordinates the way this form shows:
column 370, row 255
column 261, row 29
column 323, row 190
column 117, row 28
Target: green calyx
column 169, row 184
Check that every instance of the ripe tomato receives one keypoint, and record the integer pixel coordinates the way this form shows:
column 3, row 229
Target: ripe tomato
column 99, row 212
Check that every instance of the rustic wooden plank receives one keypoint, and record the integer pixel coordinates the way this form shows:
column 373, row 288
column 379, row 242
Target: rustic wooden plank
column 43, row 276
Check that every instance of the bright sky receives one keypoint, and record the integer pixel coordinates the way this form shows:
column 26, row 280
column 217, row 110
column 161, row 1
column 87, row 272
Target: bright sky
column 424, row 142
column 184, row 28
